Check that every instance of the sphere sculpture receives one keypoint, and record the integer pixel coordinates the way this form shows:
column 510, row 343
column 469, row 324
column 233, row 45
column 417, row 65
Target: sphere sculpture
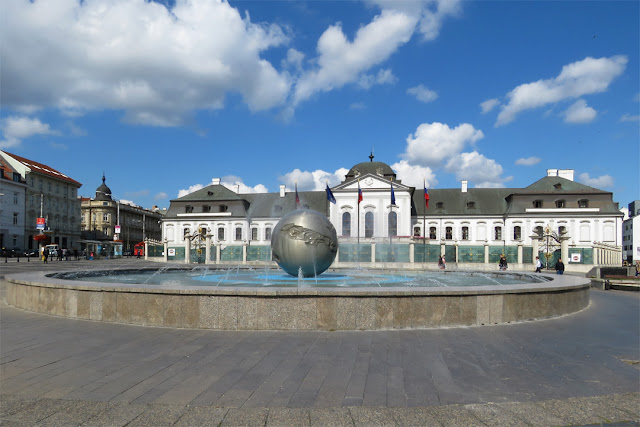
column 304, row 242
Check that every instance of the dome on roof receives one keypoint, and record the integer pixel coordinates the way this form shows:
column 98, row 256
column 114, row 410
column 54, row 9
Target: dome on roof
column 103, row 192
column 375, row 168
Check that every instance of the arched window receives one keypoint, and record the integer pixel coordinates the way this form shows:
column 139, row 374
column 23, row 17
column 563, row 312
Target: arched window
column 220, row 233
column 267, row 233
column 368, row 224
column 393, row 224
column 560, row 204
column 539, row 230
column 254, row 233
column 346, row 224
column 432, row 233
column 238, row 233
column 448, row 233
column 497, row 233
column 517, row 233
column 537, row 204
column 562, row 229
column 584, row 203
column 416, row 232
column 465, row 233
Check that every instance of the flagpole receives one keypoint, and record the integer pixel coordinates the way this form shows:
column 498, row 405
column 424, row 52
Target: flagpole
column 424, row 230
column 390, row 212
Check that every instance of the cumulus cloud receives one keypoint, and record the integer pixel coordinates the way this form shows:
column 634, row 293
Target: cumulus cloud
column 414, row 175
column 341, row 61
column 383, row 77
column 434, row 143
column 161, row 196
column 313, row 181
column 191, row 189
column 128, row 202
column 489, row 105
column 579, row 112
column 629, row 118
column 422, row 93
column 591, row 75
column 475, row 167
column 156, row 63
column 528, row 161
column 17, row 128
column 603, row 181
column 235, row 183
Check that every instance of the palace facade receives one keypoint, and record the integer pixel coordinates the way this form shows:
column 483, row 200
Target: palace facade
column 472, row 227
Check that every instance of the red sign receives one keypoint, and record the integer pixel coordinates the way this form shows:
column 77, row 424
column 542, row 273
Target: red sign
column 40, row 221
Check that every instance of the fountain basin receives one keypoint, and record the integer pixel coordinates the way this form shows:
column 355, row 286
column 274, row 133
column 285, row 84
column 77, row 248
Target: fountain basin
column 298, row 308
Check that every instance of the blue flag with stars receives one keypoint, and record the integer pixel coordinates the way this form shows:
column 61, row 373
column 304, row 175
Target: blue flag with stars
column 330, row 195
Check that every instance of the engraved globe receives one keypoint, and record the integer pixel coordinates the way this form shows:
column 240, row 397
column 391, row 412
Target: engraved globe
column 304, row 242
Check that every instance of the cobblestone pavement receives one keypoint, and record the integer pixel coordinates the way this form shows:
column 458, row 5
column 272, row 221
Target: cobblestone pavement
column 579, row 369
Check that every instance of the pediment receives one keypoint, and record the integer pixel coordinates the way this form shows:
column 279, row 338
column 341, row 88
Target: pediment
column 370, row 182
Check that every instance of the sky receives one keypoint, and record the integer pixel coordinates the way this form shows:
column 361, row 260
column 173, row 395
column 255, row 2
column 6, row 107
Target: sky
column 164, row 96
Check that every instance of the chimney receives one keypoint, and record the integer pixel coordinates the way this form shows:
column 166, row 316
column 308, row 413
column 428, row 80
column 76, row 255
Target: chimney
column 282, row 187
column 566, row 174
column 464, row 186
column 237, row 188
column 552, row 172
column 215, row 181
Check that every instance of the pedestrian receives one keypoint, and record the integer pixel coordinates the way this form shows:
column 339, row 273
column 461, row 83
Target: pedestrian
column 75, row 253
column 637, row 268
column 45, row 255
column 503, row 263
column 538, row 265
column 559, row 267
column 441, row 263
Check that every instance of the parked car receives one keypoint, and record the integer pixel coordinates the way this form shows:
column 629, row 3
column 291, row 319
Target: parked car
column 10, row 253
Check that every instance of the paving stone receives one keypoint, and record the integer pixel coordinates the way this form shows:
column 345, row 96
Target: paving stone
column 116, row 414
column 414, row 416
column 39, row 410
column 365, row 416
column 201, row 416
column 532, row 414
column 11, row 404
column 78, row 412
column 288, row 417
column 494, row 415
column 158, row 415
column 454, row 415
column 334, row 417
column 245, row 417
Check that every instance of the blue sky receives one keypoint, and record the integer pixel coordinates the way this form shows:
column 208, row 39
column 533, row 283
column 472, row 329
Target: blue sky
column 163, row 97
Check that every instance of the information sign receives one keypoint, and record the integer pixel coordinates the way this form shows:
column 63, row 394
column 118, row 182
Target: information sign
column 40, row 223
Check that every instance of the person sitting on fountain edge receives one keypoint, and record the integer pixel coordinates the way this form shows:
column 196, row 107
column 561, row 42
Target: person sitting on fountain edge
column 559, row 266
column 503, row 263
column 441, row 263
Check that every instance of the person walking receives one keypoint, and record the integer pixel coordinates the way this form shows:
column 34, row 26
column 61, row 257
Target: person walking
column 559, row 267
column 538, row 265
column 45, row 255
column 441, row 263
column 637, row 268
column 503, row 263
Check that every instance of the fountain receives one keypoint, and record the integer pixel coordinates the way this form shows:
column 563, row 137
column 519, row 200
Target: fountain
column 305, row 297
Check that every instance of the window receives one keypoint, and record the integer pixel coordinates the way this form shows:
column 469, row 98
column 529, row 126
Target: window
column 448, row 233
column 557, row 186
column 15, row 218
column 439, row 205
column 15, row 198
column 188, row 209
column 57, row 188
column 465, row 233
column 539, row 230
column 537, row 204
column 346, row 224
column 393, row 224
column 368, row 224
column 562, row 229
column 267, row 233
column 105, row 217
column 517, row 233
column 223, row 208
column 254, row 233
column 584, row 203
column 497, row 233
column 416, row 231
column 185, row 232
column 206, row 208
column 471, row 205
column 560, row 203
column 220, row 233
column 238, row 233
column 432, row 233
column 16, row 177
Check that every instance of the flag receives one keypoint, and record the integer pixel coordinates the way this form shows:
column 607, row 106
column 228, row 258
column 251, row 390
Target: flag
column 426, row 195
column 359, row 193
column 393, row 195
column 297, row 197
column 330, row 195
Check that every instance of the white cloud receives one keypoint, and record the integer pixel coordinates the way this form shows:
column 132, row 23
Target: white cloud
column 489, row 105
column 234, row 183
column 191, row 189
column 127, row 202
column 383, row 77
column 341, row 61
column 156, row 64
column 357, row 106
column 414, row 175
column 591, row 75
column 161, row 196
column 580, row 112
column 604, row 181
column 434, row 143
column 528, row 161
column 422, row 93
column 476, row 168
column 629, row 118
column 313, row 181
column 17, row 128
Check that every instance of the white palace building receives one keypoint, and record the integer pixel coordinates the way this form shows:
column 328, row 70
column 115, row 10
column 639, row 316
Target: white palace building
column 554, row 217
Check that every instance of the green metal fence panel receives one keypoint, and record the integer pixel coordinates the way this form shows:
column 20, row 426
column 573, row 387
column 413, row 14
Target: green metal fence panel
column 213, row 254
column 352, row 252
column 259, row 253
column 231, row 253
column 585, row 255
column 178, row 254
column 495, row 252
column 473, row 254
column 198, row 255
column 551, row 261
column 392, row 253
column 426, row 253
column 527, row 255
column 450, row 253
column 155, row 250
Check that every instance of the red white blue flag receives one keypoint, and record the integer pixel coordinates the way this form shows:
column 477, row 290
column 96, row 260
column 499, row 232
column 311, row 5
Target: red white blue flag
column 297, row 197
column 359, row 192
column 426, row 195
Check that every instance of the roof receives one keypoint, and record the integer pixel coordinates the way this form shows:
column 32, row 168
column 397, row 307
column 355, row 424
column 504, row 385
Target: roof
column 210, row 193
column 374, row 168
column 8, row 170
column 557, row 185
column 486, row 201
column 44, row 169
column 265, row 205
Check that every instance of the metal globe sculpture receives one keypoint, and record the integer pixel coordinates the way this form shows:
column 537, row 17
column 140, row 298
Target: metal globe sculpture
column 304, row 242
